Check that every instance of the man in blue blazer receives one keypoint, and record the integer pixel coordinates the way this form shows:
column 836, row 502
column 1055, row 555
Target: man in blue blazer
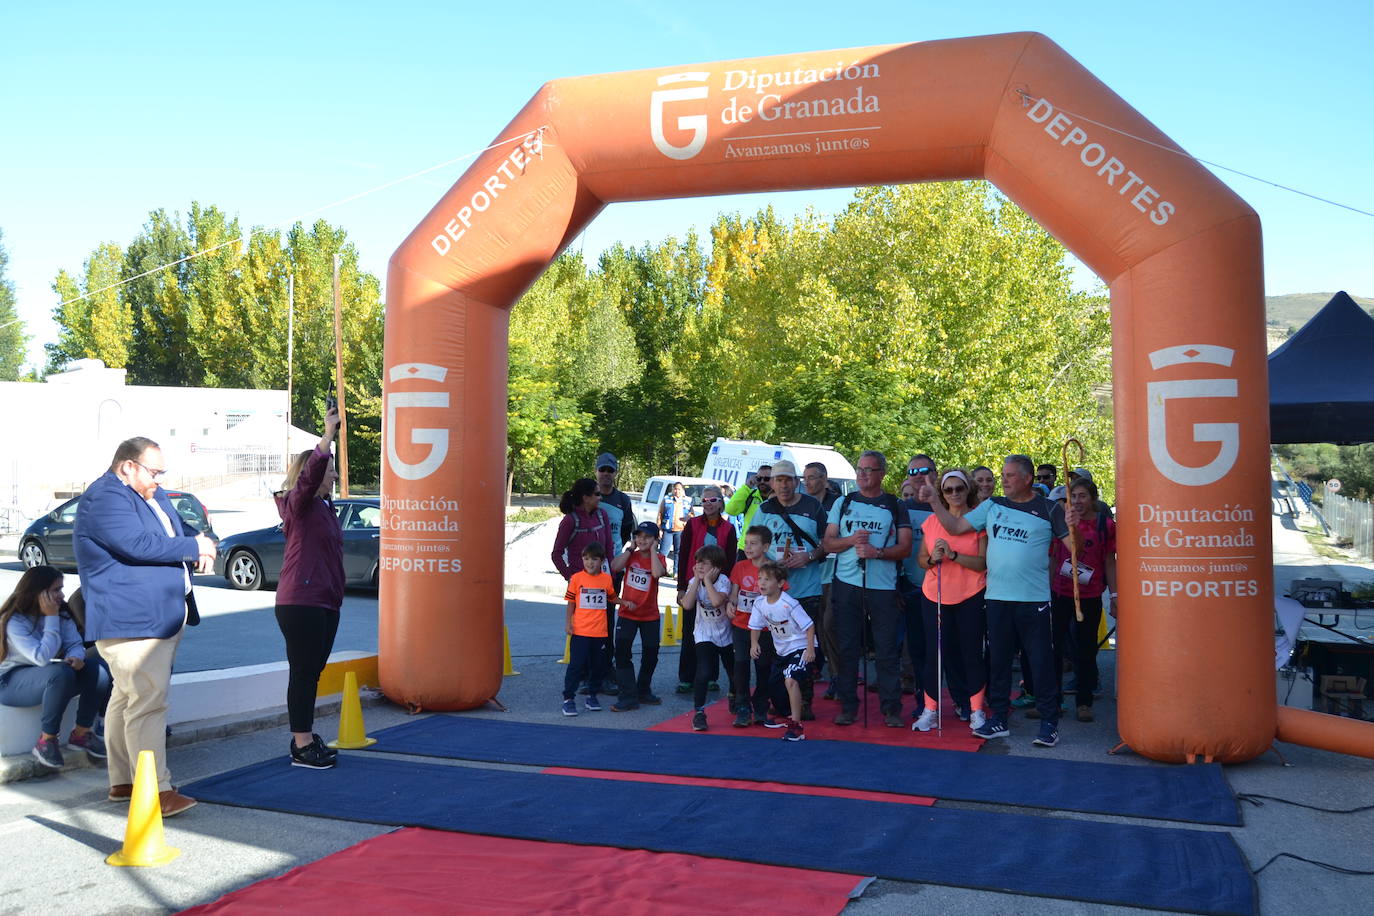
column 135, row 554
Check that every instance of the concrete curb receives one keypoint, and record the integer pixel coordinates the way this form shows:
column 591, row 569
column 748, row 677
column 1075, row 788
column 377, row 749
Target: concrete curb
column 23, row 766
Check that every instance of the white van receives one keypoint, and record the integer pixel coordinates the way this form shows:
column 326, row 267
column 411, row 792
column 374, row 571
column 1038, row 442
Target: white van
column 646, row 504
column 733, row 460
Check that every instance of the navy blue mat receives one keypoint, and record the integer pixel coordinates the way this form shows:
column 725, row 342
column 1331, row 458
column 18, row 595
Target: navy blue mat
column 1169, row 869
column 1198, row 794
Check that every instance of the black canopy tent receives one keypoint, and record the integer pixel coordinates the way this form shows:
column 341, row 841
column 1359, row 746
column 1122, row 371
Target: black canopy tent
column 1321, row 380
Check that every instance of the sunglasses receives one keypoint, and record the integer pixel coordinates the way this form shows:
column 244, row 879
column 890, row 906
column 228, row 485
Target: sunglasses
column 952, row 490
column 764, row 479
column 606, row 470
column 917, row 472
column 1044, row 477
column 710, row 499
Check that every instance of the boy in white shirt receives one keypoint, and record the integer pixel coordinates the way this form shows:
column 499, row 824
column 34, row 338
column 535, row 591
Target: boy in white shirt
column 708, row 592
column 794, row 640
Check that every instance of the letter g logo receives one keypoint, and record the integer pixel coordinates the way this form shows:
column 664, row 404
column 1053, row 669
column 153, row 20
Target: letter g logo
column 436, row 438
column 695, row 123
column 1227, row 435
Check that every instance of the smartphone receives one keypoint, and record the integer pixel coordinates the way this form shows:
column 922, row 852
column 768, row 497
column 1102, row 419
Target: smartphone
column 330, row 403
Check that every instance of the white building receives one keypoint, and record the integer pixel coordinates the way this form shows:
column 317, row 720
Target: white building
column 61, row 434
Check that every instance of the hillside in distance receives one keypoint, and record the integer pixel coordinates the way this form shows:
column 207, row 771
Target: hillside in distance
column 1292, row 310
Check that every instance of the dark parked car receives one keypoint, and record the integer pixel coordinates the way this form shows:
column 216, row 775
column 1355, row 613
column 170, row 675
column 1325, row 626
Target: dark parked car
column 49, row 539
column 252, row 559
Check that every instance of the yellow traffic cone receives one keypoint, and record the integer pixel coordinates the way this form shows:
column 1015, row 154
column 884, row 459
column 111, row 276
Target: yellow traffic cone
column 669, row 637
column 352, row 735
column 143, row 843
column 507, row 667
column 677, row 623
column 567, row 652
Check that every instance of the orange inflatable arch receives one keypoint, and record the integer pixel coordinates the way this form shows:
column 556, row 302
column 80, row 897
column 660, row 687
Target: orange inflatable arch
column 1180, row 252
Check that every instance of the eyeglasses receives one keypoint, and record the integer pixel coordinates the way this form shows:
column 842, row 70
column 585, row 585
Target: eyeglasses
column 950, row 491
column 152, row 472
column 710, row 499
column 863, row 470
column 917, row 472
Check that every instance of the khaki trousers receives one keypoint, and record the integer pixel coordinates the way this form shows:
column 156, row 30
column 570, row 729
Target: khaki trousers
column 136, row 719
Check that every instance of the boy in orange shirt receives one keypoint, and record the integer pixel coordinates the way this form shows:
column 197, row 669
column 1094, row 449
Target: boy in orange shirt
column 590, row 595
column 642, row 566
column 743, row 590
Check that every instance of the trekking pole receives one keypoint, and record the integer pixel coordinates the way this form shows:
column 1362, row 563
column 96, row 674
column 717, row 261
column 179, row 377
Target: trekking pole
column 1073, row 543
column 863, row 635
column 939, row 652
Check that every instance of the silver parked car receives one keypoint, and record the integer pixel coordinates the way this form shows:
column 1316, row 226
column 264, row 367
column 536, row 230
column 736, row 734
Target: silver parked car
column 253, row 559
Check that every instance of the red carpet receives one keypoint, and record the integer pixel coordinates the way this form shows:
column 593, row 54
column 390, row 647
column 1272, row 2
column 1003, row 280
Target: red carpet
column 957, row 736
column 419, row 871
column 784, row 788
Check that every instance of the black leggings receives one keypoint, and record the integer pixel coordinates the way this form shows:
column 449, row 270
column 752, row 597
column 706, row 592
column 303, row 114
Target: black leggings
column 710, row 657
column 963, row 633
column 309, row 633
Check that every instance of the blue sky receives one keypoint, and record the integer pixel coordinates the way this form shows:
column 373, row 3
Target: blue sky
column 274, row 110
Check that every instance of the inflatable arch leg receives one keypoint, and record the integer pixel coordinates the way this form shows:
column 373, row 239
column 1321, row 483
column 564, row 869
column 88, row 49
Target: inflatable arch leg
column 1180, row 252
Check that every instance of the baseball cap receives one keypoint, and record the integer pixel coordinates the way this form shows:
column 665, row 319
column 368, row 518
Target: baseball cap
column 648, row 528
column 784, row 468
column 1059, row 493
column 1082, row 472
column 607, row 460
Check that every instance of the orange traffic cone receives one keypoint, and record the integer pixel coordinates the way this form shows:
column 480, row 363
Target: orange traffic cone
column 507, row 666
column 669, row 637
column 143, row 842
column 352, row 735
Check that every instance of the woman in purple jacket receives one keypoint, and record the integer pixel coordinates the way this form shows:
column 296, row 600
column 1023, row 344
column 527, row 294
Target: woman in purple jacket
column 310, row 588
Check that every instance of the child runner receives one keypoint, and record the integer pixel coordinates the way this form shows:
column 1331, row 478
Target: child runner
column 743, row 590
column 794, row 639
column 590, row 596
column 708, row 592
column 642, row 566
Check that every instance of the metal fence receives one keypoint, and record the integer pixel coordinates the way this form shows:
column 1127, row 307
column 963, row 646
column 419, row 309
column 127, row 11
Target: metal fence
column 1351, row 520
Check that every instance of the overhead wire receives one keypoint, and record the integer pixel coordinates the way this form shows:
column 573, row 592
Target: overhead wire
column 247, row 234
column 1028, row 98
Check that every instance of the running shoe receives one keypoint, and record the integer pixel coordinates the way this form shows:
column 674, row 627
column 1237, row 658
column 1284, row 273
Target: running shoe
column 646, row 698
column 312, row 756
column 976, row 720
column 592, row 704
column 794, row 733
column 926, row 722
column 1048, row 737
column 770, row 722
column 1024, row 701
column 89, row 742
column 569, row 707
column 48, row 753
column 699, row 721
column 744, row 718
column 994, row 727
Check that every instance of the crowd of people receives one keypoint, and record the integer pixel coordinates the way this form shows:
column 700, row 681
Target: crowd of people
column 786, row 577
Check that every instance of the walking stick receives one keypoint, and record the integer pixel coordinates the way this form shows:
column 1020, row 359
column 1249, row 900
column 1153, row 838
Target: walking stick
column 939, row 652
column 1073, row 539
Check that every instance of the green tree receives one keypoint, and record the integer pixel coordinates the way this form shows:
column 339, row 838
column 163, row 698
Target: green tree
column 13, row 341
column 93, row 318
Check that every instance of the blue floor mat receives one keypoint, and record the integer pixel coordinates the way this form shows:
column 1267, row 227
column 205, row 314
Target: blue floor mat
column 1198, row 793
column 1163, row 868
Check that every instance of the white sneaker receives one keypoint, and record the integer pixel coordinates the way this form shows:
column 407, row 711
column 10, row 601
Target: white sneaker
column 976, row 720
column 926, row 722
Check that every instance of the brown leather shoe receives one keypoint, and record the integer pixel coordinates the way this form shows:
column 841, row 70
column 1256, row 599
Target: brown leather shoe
column 173, row 802
column 122, row 792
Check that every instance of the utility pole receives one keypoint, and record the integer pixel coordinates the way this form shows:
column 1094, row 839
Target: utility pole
column 290, row 356
column 339, row 383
